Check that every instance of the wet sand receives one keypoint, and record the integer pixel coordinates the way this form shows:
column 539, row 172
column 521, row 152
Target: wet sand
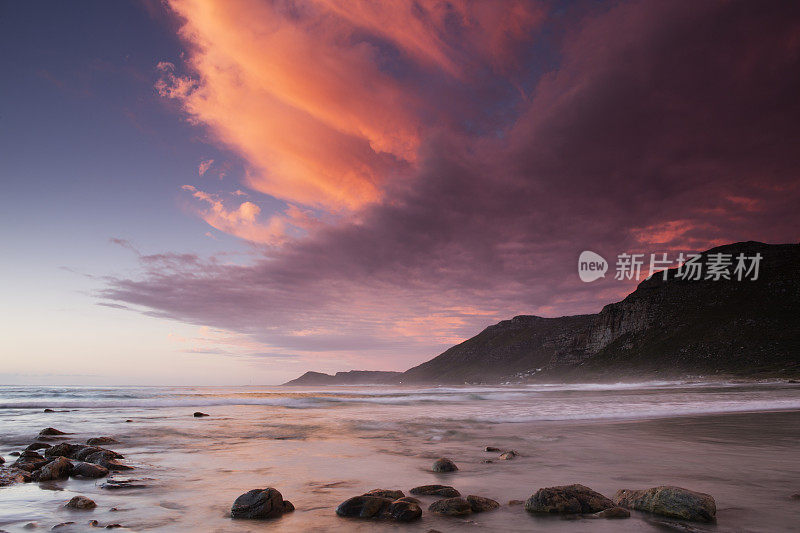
column 318, row 457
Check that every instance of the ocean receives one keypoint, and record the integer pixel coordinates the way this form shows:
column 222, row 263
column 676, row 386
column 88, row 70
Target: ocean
column 319, row 446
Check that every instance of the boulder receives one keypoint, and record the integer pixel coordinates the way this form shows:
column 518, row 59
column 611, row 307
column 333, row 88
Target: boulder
column 385, row 493
column 124, row 483
column 59, row 468
column 435, row 490
column 674, row 502
column 613, row 512
column 81, row 503
column 198, row 414
column 50, row 432
column 444, row 464
column 37, row 446
column 408, row 499
column 95, row 441
column 507, row 456
column 491, row 449
column 48, row 410
column 64, row 449
column 567, row 499
column 451, row 507
column 88, row 470
column 260, row 503
column 479, row 504
column 404, row 511
column 363, row 507
column 10, row 475
column 105, row 460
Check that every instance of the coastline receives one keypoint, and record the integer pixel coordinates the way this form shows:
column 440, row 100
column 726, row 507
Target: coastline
column 318, row 457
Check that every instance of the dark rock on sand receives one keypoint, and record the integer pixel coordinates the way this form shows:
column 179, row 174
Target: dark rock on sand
column 491, row 449
column 444, row 464
column 674, row 502
column 49, row 432
column 385, row 493
column 58, row 468
column 567, row 499
column 88, row 470
column 10, row 475
column 198, row 414
column 95, row 441
column 81, row 502
column 363, row 507
column 404, row 511
column 479, row 504
column 259, row 504
column 614, row 512
column 105, row 460
column 507, row 456
column 435, row 490
column 123, row 483
column 451, row 507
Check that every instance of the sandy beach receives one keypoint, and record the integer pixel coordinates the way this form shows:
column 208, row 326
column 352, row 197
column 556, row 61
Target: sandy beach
column 736, row 442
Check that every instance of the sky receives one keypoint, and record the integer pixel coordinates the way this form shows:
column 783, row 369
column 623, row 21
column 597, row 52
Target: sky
column 233, row 193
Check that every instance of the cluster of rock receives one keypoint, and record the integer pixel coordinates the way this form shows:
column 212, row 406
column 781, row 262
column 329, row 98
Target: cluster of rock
column 673, row 502
column 41, row 461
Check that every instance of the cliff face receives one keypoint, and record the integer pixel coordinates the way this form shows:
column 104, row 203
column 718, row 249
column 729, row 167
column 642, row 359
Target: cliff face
column 664, row 328
column 353, row 377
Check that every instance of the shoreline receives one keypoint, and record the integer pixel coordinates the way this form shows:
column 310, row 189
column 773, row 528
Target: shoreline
column 320, row 458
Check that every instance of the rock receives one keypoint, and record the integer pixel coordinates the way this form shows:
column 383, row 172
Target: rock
column 48, row 410
column 128, row 421
column 385, row 493
column 259, row 504
column 81, row 502
column 363, row 507
column 62, row 524
column 436, row 490
column 674, row 502
column 198, row 414
column 515, row 502
column 59, row 468
column 88, row 470
column 404, row 511
column 488, row 461
column 491, row 449
column 288, row 506
column 451, row 507
column 94, row 441
column 613, row 512
column 113, row 526
column 408, row 499
column 507, row 456
column 2, row 461
column 103, row 459
column 64, row 449
column 49, row 432
column 30, row 455
column 567, row 499
column 444, row 465
column 37, row 446
column 94, row 523
column 10, row 475
column 123, row 483
column 479, row 504
column 14, row 454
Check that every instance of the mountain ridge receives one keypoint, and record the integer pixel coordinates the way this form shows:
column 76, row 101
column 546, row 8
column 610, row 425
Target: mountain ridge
column 664, row 328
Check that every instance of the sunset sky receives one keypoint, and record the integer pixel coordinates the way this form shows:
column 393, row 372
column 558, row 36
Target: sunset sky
column 235, row 192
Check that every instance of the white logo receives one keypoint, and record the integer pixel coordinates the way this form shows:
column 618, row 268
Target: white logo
column 591, row 266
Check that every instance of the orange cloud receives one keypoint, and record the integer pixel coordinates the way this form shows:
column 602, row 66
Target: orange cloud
column 244, row 221
column 305, row 92
column 204, row 166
